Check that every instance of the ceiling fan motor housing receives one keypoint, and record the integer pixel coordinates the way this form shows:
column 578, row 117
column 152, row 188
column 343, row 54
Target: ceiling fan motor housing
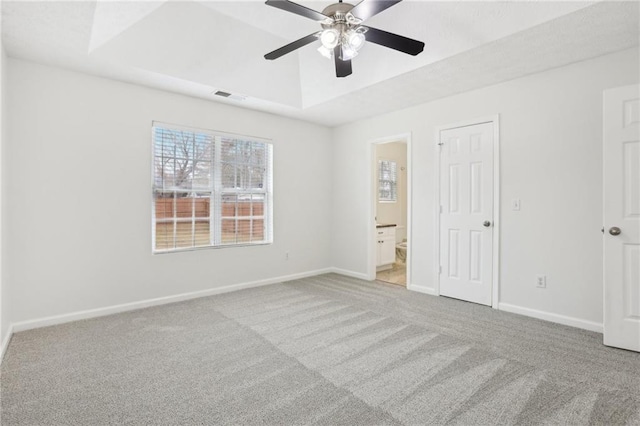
column 339, row 13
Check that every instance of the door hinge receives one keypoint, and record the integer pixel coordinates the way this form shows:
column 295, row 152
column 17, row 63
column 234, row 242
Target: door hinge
column 441, row 209
column 440, row 269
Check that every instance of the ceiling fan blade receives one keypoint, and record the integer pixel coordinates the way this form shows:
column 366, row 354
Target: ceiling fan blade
column 394, row 41
column 298, row 9
column 291, row 47
column 368, row 8
column 343, row 68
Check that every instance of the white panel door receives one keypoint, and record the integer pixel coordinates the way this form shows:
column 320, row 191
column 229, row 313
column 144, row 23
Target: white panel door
column 622, row 217
column 466, row 218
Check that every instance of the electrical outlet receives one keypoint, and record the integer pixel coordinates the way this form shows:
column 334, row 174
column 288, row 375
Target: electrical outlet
column 541, row 281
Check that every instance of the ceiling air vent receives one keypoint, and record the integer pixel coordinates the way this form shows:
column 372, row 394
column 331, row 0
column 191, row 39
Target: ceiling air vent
column 229, row 95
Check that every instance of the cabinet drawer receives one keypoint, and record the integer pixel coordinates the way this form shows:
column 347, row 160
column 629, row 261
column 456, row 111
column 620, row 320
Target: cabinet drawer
column 385, row 232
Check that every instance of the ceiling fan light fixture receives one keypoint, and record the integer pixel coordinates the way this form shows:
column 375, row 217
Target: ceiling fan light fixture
column 327, row 53
column 348, row 52
column 330, row 38
column 355, row 40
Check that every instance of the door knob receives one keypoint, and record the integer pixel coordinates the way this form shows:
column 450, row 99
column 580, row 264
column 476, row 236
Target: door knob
column 486, row 224
column 615, row 231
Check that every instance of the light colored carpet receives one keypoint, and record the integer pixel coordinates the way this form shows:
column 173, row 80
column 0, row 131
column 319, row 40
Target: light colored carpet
column 325, row 350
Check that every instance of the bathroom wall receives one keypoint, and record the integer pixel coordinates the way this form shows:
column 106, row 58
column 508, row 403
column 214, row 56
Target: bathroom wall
column 394, row 212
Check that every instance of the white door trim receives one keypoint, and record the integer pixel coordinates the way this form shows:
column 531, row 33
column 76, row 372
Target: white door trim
column 495, row 284
column 373, row 196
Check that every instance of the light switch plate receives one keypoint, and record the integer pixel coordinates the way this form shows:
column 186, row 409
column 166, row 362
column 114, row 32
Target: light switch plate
column 515, row 204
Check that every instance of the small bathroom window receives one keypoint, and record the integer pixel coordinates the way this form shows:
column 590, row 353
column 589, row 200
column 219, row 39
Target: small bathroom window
column 387, row 181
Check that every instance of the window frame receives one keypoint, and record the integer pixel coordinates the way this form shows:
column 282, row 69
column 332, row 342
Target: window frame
column 216, row 191
column 392, row 182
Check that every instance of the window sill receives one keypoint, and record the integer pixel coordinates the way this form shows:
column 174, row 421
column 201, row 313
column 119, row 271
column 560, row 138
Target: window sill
column 222, row 246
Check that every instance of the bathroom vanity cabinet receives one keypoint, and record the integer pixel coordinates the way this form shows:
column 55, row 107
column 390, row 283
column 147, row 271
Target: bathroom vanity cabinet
column 385, row 239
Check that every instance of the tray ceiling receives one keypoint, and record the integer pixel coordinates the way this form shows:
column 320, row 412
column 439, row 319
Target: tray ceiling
column 199, row 47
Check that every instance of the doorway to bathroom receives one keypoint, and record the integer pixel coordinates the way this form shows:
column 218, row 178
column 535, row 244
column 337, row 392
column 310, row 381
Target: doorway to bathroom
column 391, row 189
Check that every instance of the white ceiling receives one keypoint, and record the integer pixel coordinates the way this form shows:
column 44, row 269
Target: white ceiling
column 198, row 47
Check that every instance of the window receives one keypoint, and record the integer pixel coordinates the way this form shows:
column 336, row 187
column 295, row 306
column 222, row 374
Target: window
column 387, row 181
column 210, row 189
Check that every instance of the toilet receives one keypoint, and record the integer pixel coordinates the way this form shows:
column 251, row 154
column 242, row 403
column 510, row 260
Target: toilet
column 401, row 252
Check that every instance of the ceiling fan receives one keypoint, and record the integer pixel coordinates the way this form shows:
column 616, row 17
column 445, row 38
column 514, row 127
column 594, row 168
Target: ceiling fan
column 343, row 33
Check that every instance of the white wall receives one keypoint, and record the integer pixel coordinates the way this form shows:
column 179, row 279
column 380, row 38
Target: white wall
column 79, row 203
column 394, row 212
column 77, row 141
column 4, row 311
column 550, row 136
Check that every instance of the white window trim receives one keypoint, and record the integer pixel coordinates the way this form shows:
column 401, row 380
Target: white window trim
column 386, row 201
column 216, row 195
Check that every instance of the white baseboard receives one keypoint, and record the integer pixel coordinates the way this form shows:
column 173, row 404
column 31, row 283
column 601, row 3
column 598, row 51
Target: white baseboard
column 94, row 313
column 5, row 342
column 351, row 274
column 421, row 289
column 548, row 316
column 109, row 310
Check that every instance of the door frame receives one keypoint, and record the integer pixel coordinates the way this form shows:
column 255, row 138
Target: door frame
column 373, row 198
column 495, row 229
